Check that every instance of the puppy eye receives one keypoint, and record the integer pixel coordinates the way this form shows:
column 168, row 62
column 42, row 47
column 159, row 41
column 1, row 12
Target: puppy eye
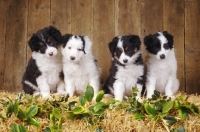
column 69, row 47
column 79, row 49
column 166, row 46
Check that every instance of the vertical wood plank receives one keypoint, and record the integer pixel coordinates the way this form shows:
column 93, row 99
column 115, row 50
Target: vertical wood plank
column 104, row 31
column 173, row 22
column 61, row 15
column 38, row 18
column 3, row 7
column 15, row 59
column 127, row 18
column 151, row 19
column 192, row 47
column 82, row 18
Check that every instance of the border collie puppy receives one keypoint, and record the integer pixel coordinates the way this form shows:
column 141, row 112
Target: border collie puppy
column 162, row 64
column 79, row 66
column 127, row 69
column 45, row 65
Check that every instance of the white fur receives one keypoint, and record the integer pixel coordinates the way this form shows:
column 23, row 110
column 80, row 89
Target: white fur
column 82, row 71
column 50, row 67
column 161, row 73
column 126, row 78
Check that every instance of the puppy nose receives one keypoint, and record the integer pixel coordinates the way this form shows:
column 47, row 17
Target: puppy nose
column 51, row 53
column 162, row 56
column 125, row 60
column 72, row 57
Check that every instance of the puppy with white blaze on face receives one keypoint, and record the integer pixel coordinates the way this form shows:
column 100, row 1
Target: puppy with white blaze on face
column 127, row 69
column 44, row 70
column 79, row 66
column 162, row 64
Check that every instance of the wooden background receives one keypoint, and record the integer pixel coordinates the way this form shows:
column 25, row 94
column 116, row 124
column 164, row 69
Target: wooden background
column 101, row 20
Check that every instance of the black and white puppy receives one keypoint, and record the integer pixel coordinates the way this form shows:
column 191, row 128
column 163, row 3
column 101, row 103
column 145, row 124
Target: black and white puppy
column 162, row 64
column 45, row 65
column 127, row 70
column 79, row 66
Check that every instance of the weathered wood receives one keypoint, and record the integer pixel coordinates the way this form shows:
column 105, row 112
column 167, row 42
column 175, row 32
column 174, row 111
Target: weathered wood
column 38, row 18
column 173, row 22
column 127, row 17
column 82, row 17
column 151, row 20
column 3, row 7
column 104, row 31
column 16, row 32
column 61, row 15
column 192, row 46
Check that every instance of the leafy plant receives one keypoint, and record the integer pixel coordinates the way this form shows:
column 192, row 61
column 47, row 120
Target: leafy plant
column 160, row 108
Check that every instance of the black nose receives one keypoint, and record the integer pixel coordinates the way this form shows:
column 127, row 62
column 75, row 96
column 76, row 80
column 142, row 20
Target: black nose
column 51, row 53
column 125, row 60
column 72, row 58
column 162, row 56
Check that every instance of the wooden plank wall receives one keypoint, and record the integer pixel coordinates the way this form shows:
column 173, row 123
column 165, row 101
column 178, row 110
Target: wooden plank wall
column 101, row 20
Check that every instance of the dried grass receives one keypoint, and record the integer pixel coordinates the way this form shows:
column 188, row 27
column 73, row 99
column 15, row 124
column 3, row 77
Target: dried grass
column 116, row 120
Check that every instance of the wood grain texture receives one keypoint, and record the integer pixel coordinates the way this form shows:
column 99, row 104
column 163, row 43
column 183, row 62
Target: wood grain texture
column 61, row 15
column 127, row 17
column 82, row 18
column 173, row 22
column 16, row 32
column 3, row 7
column 104, row 30
column 151, row 20
column 192, row 46
column 38, row 18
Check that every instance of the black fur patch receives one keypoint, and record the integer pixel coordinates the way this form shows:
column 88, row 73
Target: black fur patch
column 31, row 73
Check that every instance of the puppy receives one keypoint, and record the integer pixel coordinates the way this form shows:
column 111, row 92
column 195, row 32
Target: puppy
column 162, row 64
column 45, row 65
column 127, row 69
column 79, row 66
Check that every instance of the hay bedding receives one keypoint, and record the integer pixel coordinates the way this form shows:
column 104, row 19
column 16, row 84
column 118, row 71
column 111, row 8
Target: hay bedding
column 116, row 119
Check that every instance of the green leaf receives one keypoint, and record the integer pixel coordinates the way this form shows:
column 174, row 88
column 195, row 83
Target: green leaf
column 60, row 123
column 181, row 129
column 32, row 111
column 89, row 93
column 167, row 106
column 52, row 119
column 15, row 107
column 82, row 100
column 194, row 109
column 149, row 109
column 169, row 120
column 98, row 106
column 32, row 121
column 9, row 109
column 56, row 113
column 138, row 116
column 78, row 110
column 20, row 115
column 2, row 117
column 22, row 128
column 71, row 104
column 100, row 96
column 112, row 101
column 47, row 129
column 182, row 112
column 14, row 128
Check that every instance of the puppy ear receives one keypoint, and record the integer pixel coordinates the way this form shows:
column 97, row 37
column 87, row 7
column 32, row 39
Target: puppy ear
column 88, row 44
column 113, row 45
column 148, row 40
column 65, row 39
column 169, row 38
column 55, row 33
column 135, row 39
column 34, row 43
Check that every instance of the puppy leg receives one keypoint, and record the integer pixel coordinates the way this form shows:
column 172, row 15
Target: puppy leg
column 43, row 86
column 69, row 87
column 171, row 87
column 119, row 90
column 94, row 82
column 150, row 86
column 61, row 87
column 139, row 87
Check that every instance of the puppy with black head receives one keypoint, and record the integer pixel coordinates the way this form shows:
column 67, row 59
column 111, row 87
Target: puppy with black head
column 45, row 65
column 162, row 64
column 127, row 69
column 79, row 66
